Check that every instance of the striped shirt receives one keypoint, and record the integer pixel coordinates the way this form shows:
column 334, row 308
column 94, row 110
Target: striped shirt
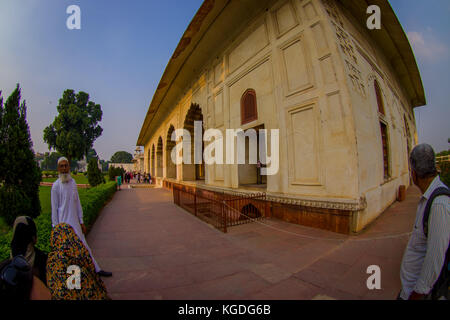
column 424, row 257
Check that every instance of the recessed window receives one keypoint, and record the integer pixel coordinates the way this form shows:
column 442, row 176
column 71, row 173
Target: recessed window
column 384, row 140
column 248, row 106
column 384, row 130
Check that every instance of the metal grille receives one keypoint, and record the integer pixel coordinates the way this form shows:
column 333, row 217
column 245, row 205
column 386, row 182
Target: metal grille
column 219, row 209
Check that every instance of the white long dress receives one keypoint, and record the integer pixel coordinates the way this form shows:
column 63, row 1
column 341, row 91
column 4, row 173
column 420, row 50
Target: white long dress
column 66, row 208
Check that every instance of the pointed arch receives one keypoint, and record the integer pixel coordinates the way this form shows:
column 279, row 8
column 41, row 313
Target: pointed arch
column 249, row 109
column 250, row 211
column 149, row 161
column 171, row 169
column 159, row 158
column 384, row 130
column 153, row 161
column 194, row 171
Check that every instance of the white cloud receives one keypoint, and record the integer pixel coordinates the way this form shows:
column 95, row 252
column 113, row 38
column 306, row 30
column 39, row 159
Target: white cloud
column 427, row 46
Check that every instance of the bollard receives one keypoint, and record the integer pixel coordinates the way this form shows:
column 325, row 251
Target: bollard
column 401, row 193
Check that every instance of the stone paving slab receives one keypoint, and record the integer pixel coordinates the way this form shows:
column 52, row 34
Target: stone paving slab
column 157, row 250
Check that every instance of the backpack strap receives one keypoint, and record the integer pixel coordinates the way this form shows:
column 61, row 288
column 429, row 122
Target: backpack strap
column 441, row 286
column 441, row 191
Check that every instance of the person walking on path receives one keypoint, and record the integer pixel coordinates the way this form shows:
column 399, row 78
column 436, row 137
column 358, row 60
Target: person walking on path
column 119, row 182
column 66, row 207
column 425, row 266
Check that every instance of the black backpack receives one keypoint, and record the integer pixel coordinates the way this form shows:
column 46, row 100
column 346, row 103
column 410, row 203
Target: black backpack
column 441, row 287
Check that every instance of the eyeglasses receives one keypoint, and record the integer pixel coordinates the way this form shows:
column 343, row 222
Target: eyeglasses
column 17, row 266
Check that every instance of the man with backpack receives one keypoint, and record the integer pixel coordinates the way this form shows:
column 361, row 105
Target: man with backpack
column 425, row 266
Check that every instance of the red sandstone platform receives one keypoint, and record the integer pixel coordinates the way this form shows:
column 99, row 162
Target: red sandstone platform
column 158, row 251
column 49, row 184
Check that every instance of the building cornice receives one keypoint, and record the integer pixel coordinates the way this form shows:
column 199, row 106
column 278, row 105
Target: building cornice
column 212, row 25
column 393, row 42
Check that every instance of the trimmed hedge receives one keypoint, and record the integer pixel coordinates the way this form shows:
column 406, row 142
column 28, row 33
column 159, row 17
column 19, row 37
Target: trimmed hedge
column 92, row 201
column 50, row 173
column 445, row 172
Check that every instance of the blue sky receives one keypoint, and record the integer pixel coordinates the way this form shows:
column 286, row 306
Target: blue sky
column 121, row 51
column 427, row 24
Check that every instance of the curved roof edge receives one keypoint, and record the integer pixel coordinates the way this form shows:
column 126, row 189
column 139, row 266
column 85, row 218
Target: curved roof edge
column 394, row 43
column 199, row 24
column 391, row 39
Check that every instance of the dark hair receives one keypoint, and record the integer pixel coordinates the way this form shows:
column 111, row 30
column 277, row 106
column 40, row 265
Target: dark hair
column 23, row 280
column 23, row 236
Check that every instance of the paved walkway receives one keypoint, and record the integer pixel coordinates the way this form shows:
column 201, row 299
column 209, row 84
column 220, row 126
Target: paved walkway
column 158, row 251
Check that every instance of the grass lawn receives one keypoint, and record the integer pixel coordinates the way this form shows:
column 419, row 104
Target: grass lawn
column 45, row 197
column 46, row 204
column 4, row 228
column 92, row 201
column 46, row 207
column 79, row 179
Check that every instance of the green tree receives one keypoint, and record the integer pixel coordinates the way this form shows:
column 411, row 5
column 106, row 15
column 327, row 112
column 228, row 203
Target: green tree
column 94, row 174
column 75, row 129
column 121, row 157
column 104, row 165
column 443, row 153
column 114, row 172
column 20, row 175
column 2, row 143
column 91, row 154
column 50, row 161
column 111, row 173
column 445, row 172
column 39, row 157
column 73, row 164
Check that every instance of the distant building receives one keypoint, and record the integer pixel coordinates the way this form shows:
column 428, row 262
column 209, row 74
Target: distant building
column 126, row 166
column 138, row 161
column 39, row 158
column 341, row 95
column 39, row 155
column 82, row 165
